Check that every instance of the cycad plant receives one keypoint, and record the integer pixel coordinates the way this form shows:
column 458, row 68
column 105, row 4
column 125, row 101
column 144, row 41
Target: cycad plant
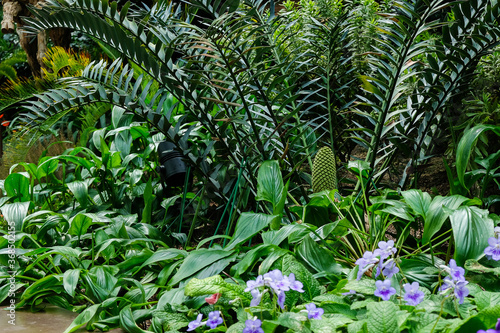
column 421, row 61
column 230, row 83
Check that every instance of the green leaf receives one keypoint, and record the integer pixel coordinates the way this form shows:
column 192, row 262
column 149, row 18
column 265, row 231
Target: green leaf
column 213, row 285
column 317, row 257
column 164, row 255
column 196, row 261
column 17, row 186
column 15, row 213
column 329, row 323
column 466, row 147
column 382, row 317
column 486, row 299
column 485, row 319
column 236, row 328
column 437, row 214
column 270, row 185
column 471, row 227
column 83, row 318
column 70, row 281
column 363, row 286
column 293, row 321
column 171, row 321
column 276, row 237
column 127, row 321
column 80, row 190
column 79, row 225
column 418, row 201
column 251, row 257
column 46, row 166
column 248, row 225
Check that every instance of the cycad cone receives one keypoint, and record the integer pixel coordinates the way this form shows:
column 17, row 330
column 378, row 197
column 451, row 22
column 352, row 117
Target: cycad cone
column 324, row 173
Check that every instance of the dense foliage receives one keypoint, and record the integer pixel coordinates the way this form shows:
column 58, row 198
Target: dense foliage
column 303, row 128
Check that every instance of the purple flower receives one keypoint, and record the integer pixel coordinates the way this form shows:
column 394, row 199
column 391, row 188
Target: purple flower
column 195, row 323
column 259, row 282
column 294, row 284
column 276, row 280
column 459, row 288
column 389, row 268
column 413, row 296
column 493, row 251
column 253, row 326
column 384, row 289
column 214, row 319
column 313, row 312
column 461, row 291
column 281, row 299
column 257, row 297
column 456, row 272
column 385, row 250
column 368, row 261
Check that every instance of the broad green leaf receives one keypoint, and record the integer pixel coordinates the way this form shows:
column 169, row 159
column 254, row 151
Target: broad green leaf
column 46, row 166
column 172, row 321
column 270, row 184
column 293, row 321
column 79, row 225
column 141, row 293
column 17, row 186
column 45, row 283
column 418, row 201
column 251, row 258
column 272, row 257
column 382, row 317
column 174, row 296
column 164, row 255
column 127, row 321
column 15, row 213
column 83, row 318
column 5, row 290
column 437, row 215
column 471, row 228
column 423, row 272
column 363, row 286
column 318, row 258
column 357, row 327
column 485, row 319
column 80, row 191
column 248, row 225
column 329, row 323
column 466, row 147
column 196, row 261
column 485, row 299
column 213, row 285
column 70, row 281
column 317, row 211
column 236, row 328
column 276, row 237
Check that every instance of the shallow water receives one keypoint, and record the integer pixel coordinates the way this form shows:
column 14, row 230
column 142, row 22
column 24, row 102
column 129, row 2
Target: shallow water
column 52, row 320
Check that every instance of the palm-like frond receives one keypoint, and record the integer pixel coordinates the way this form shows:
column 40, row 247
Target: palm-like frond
column 403, row 117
